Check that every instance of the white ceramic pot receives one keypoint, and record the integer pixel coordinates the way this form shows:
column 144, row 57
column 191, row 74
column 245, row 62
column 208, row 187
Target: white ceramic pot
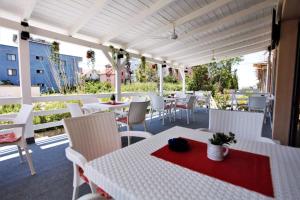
column 216, row 152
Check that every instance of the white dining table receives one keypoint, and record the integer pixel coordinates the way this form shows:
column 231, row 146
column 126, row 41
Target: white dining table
column 133, row 173
column 95, row 107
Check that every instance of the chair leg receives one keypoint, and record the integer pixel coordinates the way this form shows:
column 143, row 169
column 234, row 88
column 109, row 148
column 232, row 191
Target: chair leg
column 170, row 115
column 20, row 153
column 93, row 187
column 128, row 129
column 145, row 125
column 151, row 115
column 174, row 114
column 76, row 182
column 193, row 115
column 163, row 118
column 187, row 117
column 29, row 160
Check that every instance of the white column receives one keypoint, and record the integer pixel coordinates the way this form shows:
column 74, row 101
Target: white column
column 182, row 73
column 118, row 81
column 161, row 80
column 25, row 81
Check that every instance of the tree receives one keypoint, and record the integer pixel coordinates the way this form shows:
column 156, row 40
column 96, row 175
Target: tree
column 221, row 74
column 145, row 72
column 215, row 76
column 200, row 79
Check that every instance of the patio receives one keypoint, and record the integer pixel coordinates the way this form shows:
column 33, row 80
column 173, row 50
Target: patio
column 54, row 172
column 177, row 157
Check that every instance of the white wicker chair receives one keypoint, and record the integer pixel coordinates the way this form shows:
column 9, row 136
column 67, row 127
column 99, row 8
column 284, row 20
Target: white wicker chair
column 159, row 105
column 136, row 115
column 16, row 133
column 258, row 104
column 90, row 137
column 74, row 109
column 188, row 106
column 245, row 125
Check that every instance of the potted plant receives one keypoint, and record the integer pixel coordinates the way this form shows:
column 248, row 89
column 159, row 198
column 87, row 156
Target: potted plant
column 215, row 149
column 113, row 99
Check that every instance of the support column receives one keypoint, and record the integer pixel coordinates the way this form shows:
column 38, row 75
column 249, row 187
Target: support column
column 118, row 81
column 25, row 81
column 161, row 80
column 182, row 73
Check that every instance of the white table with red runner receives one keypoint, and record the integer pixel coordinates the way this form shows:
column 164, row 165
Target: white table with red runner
column 133, row 173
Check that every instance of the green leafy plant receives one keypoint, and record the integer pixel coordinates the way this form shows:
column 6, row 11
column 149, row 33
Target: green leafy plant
column 222, row 138
column 90, row 54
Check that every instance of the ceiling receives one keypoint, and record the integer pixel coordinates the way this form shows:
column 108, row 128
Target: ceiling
column 221, row 27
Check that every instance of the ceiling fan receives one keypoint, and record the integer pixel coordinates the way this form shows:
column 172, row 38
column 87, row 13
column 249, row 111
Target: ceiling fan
column 172, row 36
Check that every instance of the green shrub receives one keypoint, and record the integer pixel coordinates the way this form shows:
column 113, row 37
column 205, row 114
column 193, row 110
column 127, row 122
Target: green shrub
column 170, row 79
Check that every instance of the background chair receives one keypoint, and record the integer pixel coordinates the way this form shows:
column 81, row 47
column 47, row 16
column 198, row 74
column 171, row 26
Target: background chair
column 74, row 109
column 136, row 115
column 203, row 97
column 14, row 134
column 159, row 105
column 245, row 125
column 258, row 104
column 188, row 106
column 90, row 137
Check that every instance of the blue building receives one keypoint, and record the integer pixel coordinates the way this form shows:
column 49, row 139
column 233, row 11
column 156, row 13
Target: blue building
column 43, row 73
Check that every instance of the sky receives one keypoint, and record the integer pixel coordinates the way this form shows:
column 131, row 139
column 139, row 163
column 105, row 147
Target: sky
column 245, row 70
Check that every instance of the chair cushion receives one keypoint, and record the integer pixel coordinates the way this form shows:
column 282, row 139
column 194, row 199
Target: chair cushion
column 8, row 138
column 98, row 189
column 167, row 107
column 122, row 120
column 183, row 106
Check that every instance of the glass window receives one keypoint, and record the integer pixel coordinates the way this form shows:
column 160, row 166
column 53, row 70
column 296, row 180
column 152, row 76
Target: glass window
column 11, row 57
column 39, row 71
column 11, row 72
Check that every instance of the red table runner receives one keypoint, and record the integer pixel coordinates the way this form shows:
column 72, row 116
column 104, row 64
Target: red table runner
column 108, row 103
column 244, row 169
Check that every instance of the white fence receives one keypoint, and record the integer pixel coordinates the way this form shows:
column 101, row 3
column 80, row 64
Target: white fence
column 64, row 98
column 56, row 98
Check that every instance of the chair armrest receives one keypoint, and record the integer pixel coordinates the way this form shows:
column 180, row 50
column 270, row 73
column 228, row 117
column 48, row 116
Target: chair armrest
column 75, row 157
column 142, row 134
column 9, row 126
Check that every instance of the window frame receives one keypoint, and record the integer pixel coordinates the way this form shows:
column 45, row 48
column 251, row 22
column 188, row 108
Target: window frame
column 9, row 57
column 13, row 72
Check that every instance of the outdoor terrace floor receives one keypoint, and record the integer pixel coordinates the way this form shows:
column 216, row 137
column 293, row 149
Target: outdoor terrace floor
column 54, row 173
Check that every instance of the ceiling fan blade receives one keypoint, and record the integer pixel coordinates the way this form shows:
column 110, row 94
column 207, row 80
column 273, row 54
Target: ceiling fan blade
column 159, row 37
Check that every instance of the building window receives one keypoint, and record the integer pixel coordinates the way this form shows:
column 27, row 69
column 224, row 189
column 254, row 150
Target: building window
column 41, row 84
column 39, row 57
column 11, row 72
column 39, row 71
column 11, row 57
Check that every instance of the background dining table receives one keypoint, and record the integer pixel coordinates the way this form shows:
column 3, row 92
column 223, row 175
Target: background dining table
column 133, row 173
column 95, row 107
